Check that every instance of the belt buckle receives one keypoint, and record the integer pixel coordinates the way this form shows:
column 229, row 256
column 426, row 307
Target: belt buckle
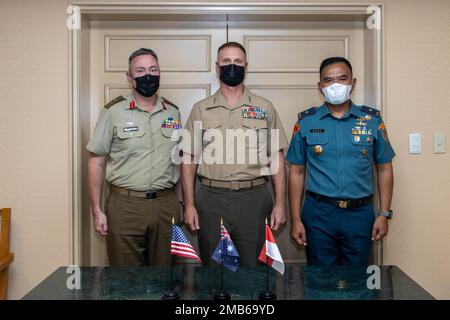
column 343, row 204
column 234, row 185
column 150, row 194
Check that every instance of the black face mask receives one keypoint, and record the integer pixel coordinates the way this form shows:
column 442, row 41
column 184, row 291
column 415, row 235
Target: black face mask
column 147, row 85
column 232, row 74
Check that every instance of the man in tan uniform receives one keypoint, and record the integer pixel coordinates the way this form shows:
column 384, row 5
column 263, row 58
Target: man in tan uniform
column 133, row 139
column 239, row 145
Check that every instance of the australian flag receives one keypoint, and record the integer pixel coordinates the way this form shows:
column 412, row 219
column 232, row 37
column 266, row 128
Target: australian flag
column 226, row 252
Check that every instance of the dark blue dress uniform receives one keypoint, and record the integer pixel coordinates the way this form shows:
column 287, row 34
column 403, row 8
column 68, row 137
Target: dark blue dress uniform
column 339, row 154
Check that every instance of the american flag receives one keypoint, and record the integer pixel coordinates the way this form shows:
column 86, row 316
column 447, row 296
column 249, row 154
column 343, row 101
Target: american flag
column 180, row 245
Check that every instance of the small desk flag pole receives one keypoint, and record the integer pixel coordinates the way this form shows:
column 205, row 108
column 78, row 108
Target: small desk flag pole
column 271, row 256
column 222, row 295
column 171, row 295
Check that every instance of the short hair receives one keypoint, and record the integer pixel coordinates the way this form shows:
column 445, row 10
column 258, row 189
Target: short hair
column 232, row 44
column 333, row 60
column 141, row 52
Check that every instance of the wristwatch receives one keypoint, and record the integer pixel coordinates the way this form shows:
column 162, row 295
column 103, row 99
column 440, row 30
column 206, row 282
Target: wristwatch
column 388, row 214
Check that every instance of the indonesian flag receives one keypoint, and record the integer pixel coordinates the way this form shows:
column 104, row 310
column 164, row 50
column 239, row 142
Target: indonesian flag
column 270, row 253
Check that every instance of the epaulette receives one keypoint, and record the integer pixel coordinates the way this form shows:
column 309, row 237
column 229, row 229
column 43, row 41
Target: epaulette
column 170, row 103
column 307, row 113
column 371, row 111
column 114, row 101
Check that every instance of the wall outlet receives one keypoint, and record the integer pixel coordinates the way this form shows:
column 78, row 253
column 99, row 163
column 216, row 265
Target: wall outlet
column 439, row 143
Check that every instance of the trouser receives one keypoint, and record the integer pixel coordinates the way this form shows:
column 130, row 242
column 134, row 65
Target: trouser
column 140, row 229
column 243, row 212
column 337, row 236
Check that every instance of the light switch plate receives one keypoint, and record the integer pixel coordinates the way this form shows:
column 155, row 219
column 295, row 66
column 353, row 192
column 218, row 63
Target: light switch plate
column 415, row 143
column 439, row 143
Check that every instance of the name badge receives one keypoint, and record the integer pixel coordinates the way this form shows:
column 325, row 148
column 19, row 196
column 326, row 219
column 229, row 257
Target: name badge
column 130, row 129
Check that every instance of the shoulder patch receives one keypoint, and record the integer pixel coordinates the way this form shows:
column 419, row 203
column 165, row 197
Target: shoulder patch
column 307, row 113
column 114, row 101
column 371, row 111
column 169, row 103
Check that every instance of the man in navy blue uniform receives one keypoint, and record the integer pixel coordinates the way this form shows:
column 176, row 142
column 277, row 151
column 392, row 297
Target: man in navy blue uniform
column 333, row 152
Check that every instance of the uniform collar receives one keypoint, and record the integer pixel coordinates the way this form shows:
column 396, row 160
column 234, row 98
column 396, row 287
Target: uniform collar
column 158, row 106
column 219, row 100
column 354, row 110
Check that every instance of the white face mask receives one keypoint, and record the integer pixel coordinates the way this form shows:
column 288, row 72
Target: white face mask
column 337, row 93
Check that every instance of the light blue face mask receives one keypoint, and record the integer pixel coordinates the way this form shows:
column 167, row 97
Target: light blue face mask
column 337, row 93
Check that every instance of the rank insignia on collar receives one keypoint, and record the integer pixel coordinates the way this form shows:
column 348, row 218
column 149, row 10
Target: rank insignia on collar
column 171, row 123
column 255, row 112
column 132, row 105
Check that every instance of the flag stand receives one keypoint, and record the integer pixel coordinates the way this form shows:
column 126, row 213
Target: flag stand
column 222, row 295
column 267, row 294
column 171, row 295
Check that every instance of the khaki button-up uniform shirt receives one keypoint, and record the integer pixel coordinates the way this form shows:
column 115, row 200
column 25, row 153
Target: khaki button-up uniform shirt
column 243, row 151
column 138, row 144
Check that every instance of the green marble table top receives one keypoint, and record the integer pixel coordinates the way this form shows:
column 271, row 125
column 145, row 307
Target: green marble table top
column 194, row 282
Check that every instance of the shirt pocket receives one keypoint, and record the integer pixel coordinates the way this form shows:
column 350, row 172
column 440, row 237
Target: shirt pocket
column 210, row 132
column 259, row 129
column 171, row 133
column 131, row 137
column 316, row 144
column 316, row 139
column 254, row 124
column 362, row 146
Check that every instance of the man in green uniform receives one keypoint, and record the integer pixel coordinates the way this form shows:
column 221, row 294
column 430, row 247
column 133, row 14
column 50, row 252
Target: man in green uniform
column 133, row 141
column 239, row 147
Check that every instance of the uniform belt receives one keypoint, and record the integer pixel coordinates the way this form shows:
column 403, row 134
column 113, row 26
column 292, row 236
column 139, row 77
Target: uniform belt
column 341, row 203
column 234, row 185
column 141, row 194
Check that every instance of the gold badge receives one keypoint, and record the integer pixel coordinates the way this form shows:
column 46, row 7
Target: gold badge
column 363, row 152
column 342, row 284
column 318, row 150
